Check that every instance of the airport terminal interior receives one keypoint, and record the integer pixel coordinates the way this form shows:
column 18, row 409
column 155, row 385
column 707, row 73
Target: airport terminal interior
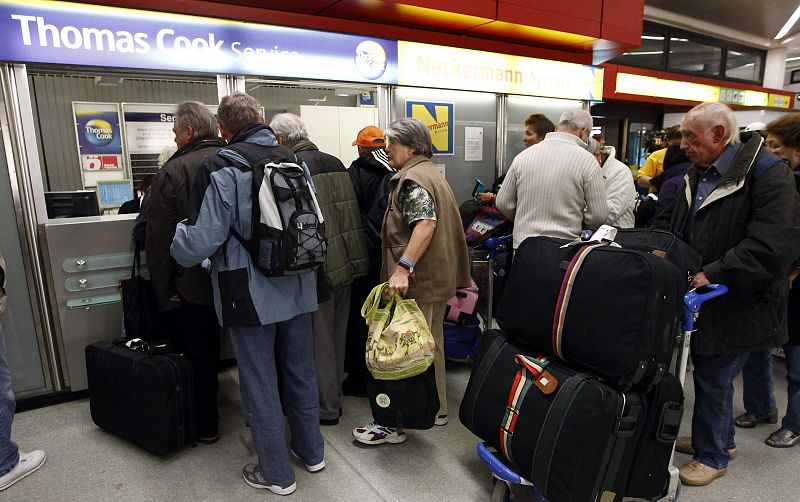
column 88, row 97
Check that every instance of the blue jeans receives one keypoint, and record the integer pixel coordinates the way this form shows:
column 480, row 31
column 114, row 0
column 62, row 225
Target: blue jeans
column 712, row 422
column 758, row 387
column 258, row 349
column 9, row 454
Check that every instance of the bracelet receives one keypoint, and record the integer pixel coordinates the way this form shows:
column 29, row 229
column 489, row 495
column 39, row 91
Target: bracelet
column 407, row 262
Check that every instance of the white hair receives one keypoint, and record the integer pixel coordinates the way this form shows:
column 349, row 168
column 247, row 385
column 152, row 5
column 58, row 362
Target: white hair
column 709, row 115
column 576, row 119
column 290, row 126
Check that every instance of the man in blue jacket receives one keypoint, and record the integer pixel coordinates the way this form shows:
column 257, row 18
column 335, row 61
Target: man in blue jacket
column 268, row 318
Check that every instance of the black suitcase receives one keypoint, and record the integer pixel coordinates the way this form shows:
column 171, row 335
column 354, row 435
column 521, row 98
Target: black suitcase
column 410, row 403
column 141, row 397
column 649, row 476
column 608, row 310
column 568, row 432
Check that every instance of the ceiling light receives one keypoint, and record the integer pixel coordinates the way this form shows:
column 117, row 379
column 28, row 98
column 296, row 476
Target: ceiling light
column 679, row 39
column 734, row 53
column 793, row 59
column 342, row 94
column 651, row 37
column 643, row 53
column 789, row 23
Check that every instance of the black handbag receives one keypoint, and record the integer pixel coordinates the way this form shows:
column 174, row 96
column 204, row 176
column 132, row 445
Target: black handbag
column 139, row 303
column 410, row 403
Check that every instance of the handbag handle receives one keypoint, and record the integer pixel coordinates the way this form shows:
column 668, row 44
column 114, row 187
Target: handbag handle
column 373, row 301
column 136, row 268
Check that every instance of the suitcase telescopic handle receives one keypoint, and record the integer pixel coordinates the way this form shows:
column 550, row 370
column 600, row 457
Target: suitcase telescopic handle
column 694, row 299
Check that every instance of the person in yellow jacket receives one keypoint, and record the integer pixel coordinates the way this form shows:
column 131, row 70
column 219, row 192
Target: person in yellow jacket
column 654, row 165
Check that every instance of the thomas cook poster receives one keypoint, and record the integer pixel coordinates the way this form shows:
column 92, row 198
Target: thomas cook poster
column 439, row 119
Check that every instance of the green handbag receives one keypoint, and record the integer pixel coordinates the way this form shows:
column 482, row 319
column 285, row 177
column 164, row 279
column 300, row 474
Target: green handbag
column 399, row 343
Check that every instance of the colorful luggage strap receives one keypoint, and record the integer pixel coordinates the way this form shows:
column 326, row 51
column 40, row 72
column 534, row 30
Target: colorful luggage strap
column 564, row 294
column 532, row 372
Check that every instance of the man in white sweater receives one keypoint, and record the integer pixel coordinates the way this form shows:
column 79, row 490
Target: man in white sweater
column 555, row 188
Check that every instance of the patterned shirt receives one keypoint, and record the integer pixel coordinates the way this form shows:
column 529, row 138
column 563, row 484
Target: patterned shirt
column 416, row 203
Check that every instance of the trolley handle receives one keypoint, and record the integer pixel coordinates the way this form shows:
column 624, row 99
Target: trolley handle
column 497, row 466
column 694, row 299
column 492, row 244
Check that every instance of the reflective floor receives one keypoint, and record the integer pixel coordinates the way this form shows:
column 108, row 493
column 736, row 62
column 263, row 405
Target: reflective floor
column 86, row 464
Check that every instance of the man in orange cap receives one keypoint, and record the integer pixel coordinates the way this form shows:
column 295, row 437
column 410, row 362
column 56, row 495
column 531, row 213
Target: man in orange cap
column 370, row 173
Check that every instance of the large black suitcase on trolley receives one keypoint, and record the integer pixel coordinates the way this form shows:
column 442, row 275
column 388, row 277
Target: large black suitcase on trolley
column 618, row 308
column 141, row 397
column 568, row 432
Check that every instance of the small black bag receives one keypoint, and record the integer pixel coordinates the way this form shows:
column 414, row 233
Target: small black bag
column 139, row 303
column 411, row 403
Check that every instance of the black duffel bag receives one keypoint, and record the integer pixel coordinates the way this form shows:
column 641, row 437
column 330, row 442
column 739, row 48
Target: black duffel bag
column 609, row 310
column 661, row 243
column 570, row 433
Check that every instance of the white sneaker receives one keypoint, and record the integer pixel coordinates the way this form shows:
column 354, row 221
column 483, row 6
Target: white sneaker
column 252, row 476
column 373, row 433
column 28, row 463
column 441, row 420
column 310, row 468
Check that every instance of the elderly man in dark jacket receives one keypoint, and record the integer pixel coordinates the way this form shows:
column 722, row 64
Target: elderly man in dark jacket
column 195, row 130
column 346, row 259
column 741, row 212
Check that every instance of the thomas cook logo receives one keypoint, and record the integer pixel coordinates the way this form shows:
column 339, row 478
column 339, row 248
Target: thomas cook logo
column 98, row 132
column 370, row 59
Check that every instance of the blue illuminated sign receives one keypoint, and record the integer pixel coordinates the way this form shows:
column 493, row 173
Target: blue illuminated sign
column 36, row 31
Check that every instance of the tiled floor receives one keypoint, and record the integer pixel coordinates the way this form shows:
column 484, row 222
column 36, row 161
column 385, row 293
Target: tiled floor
column 87, row 464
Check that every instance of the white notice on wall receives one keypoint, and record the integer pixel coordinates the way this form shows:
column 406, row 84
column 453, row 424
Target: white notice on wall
column 473, row 143
column 440, row 168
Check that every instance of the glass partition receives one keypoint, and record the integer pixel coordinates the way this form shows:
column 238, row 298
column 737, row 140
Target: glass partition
column 467, row 132
column 518, row 108
column 82, row 128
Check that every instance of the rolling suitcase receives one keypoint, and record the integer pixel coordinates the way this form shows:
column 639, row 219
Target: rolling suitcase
column 609, row 310
column 461, row 307
column 568, row 432
column 140, row 396
column 460, row 340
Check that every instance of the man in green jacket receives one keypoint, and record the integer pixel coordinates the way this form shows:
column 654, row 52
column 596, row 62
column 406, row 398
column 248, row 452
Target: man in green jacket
column 347, row 259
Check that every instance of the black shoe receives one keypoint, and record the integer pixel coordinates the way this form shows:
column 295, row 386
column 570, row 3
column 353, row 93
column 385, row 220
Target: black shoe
column 748, row 420
column 208, row 438
column 783, row 438
column 331, row 421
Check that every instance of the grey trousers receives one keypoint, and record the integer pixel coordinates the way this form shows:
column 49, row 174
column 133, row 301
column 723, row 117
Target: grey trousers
column 434, row 314
column 330, row 335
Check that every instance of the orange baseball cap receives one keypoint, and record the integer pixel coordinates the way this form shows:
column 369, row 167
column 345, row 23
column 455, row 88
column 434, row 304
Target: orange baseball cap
column 370, row 137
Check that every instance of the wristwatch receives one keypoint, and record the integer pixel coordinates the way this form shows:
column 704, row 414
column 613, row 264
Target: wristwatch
column 407, row 264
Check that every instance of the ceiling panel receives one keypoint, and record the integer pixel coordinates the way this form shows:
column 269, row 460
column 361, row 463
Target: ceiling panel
column 762, row 18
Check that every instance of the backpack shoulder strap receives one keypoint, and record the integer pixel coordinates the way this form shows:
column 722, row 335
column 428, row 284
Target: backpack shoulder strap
column 763, row 162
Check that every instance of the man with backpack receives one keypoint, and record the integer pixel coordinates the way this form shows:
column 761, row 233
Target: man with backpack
column 346, row 259
column 268, row 317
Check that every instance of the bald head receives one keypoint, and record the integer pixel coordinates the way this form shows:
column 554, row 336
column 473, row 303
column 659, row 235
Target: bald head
column 707, row 129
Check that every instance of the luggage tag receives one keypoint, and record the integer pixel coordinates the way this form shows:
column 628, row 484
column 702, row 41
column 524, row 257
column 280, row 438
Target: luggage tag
column 603, row 235
column 537, row 367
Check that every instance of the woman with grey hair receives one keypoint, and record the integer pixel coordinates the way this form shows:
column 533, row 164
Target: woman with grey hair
column 424, row 252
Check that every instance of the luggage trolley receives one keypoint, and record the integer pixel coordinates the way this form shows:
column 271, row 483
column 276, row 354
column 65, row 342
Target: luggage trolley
column 483, row 260
column 504, row 477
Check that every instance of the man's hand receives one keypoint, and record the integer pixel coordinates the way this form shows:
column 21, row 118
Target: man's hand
column 700, row 280
column 398, row 282
column 487, row 197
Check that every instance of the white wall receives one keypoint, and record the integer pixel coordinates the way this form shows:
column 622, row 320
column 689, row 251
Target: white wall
column 333, row 128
